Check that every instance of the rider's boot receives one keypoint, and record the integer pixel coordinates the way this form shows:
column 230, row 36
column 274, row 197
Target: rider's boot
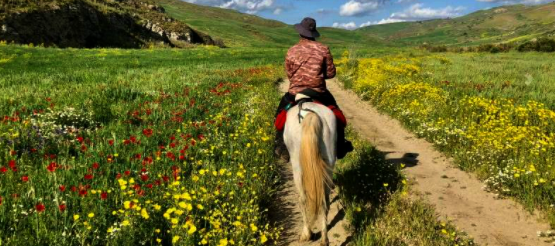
column 344, row 146
column 280, row 150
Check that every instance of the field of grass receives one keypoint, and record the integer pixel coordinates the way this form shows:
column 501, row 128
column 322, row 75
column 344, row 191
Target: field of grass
column 129, row 147
column 496, row 120
column 166, row 146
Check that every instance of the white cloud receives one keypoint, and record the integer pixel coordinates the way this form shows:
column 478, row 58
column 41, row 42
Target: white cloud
column 278, row 11
column 418, row 12
column 383, row 21
column 358, row 7
column 349, row 26
column 248, row 6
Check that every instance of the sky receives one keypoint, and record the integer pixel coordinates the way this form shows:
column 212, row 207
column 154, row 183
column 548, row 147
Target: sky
column 352, row 14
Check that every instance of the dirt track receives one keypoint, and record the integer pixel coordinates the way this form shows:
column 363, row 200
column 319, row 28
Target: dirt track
column 457, row 195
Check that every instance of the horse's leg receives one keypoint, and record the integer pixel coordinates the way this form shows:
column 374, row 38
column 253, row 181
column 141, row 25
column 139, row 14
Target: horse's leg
column 324, row 220
column 306, row 234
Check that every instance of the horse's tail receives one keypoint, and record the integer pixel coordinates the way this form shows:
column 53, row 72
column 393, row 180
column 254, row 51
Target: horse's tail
column 315, row 171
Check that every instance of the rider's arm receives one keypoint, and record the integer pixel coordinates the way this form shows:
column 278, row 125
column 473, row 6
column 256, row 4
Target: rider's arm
column 330, row 67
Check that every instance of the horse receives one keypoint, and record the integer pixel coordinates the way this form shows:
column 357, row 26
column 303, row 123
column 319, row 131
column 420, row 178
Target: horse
column 310, row 136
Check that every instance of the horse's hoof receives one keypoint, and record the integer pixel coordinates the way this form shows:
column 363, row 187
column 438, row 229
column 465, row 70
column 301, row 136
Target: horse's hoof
column 324, row 242
column 305, row 237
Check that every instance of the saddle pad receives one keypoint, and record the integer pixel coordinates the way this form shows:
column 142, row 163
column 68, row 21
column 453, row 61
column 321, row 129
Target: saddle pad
column 282, row 118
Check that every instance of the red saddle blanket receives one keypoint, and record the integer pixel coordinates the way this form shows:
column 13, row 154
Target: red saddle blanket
column 282, row 118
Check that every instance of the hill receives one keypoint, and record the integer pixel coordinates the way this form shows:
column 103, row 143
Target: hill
column 94, row 23
column 239, row 29
column 501, row 24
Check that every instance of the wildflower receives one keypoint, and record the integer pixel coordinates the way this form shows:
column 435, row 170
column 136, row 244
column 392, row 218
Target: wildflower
column 104, row 195
column 75, row 217
column 52, row 167
column 125, row 223
column 263, row 238
column 91, row 215
column 148, row 132
column 175, row 239
column 0, row 200
column 144, row 214
column 223, row 242
column 62, row 188
column 25, row 179
column 158, row 240
column 62, row 207
column 88, row 176
column 3, row 169
column 40, row 207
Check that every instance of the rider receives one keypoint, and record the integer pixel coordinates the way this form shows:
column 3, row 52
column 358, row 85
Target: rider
column 308, row 65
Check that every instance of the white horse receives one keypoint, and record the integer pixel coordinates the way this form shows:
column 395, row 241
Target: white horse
column 310, row 136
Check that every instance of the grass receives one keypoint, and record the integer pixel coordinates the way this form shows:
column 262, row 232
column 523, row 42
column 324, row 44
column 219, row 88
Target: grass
column 501, row 129
column 518, row 76
column 109, row 146
column 379, row 205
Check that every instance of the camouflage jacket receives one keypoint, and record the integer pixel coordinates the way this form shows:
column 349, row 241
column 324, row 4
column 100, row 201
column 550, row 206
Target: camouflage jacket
column 308, row 65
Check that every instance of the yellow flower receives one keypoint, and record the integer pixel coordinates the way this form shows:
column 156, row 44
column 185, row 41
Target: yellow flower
column 127, row 204
column 223, row 242
column 75, row 217
column 175, row 239
column 144, row 214
column 158, row 240
column 263, row 238
column 91, row 215
column 192, row 229
column 125, row 223
column 175, row 221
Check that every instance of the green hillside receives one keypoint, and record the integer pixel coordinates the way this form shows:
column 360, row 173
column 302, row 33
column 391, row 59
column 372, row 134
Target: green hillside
column 501, row 24
column 238, row 29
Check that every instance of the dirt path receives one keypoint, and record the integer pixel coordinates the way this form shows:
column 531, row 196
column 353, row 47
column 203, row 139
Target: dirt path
column 286, row 212
column 456, row 194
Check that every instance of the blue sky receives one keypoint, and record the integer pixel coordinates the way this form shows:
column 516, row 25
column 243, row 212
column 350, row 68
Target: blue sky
column 351, row 14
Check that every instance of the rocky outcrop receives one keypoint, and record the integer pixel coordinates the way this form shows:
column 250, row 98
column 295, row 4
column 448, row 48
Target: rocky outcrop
column 82, row 24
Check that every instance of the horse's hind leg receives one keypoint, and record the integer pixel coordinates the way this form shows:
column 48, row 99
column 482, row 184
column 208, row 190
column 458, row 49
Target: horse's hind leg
column 324, row 221
column 306, row 234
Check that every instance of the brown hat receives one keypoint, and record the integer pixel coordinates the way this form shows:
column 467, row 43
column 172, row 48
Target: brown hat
column 307, row 28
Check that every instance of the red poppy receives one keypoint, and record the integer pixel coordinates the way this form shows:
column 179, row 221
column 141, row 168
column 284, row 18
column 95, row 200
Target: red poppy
column 95, row 165
column 25, row 178
column 144, row 177
column 0, row 200
column 118, row 176
column 111, row 142
column 83, row 148
column 73, row 188
column 80, row 139
column 3, row 169
column 127, row 173
column 104, row 195
column 83, row 192
column 133, row 139
column 13, row 152
column 89, row 176
column 11, row 164
column 62, row 188
column 40, row 207
column 148, row 132
column 62, row 207
column 52, row 167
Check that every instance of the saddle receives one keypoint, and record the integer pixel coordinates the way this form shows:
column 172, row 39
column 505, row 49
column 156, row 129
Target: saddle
column 299, row 100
